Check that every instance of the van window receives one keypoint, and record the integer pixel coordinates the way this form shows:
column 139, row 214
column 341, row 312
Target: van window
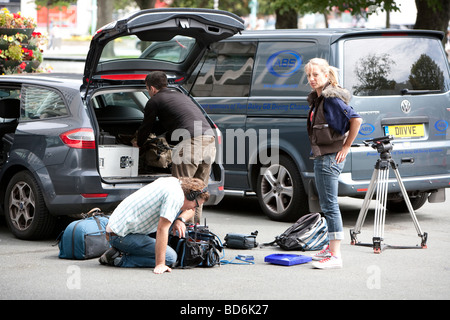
column 279, row 68
column 226, row 70
column 387, row 65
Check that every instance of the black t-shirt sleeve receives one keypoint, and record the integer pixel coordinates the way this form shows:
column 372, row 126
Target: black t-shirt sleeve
column 146, row 127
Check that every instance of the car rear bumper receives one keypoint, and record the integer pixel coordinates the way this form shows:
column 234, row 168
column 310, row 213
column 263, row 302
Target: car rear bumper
column 109, row 197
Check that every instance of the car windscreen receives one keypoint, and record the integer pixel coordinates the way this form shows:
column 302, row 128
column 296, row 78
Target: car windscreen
column 394, row 65
column 174, row 50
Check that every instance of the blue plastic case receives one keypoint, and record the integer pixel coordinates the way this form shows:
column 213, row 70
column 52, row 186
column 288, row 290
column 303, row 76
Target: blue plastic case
column 287, row 259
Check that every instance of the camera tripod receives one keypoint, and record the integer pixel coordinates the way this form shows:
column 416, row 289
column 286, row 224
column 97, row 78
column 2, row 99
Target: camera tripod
column 379, row 182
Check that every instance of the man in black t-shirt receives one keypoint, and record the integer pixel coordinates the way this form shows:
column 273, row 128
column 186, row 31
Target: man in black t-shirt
column 186, row 127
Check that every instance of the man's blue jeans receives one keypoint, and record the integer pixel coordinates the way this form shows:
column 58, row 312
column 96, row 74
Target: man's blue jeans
column 139, row 251
column 326, row 172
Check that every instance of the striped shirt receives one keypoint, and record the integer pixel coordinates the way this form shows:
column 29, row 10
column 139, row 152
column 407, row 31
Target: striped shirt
column 139, row 213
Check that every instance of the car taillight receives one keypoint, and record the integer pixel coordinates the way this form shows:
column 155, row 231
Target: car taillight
column 82, row 138
column 124, row 77
column 394, row 34
column 94, row 195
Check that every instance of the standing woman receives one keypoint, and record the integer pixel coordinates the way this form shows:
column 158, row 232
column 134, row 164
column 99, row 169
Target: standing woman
column 332, row 127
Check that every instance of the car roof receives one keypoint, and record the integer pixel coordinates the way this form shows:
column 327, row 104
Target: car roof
column 70, row 80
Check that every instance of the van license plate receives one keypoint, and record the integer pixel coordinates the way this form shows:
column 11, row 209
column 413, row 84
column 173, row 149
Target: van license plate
column 405, row 131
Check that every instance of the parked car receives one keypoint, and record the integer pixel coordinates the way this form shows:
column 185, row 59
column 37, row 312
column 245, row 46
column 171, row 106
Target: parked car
column 65, row 140
column 254, row 87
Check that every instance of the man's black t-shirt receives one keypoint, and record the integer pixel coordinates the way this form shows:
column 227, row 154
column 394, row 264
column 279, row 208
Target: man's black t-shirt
column 174, row 110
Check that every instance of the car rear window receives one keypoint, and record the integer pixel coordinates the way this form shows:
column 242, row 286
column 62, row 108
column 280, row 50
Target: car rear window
column 174, row 50
column 390, row 65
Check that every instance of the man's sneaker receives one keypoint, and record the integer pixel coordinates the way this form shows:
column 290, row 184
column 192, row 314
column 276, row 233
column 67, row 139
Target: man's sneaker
column 332, row 262
column 108, row 257
column 325, row 253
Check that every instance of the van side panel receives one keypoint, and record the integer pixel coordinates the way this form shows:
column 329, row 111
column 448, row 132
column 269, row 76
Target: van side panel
column 222, row 87
column 278, row 96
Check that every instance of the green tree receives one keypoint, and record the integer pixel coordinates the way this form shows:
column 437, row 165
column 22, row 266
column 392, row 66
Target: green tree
column 240, row 8
column 433, row 15
column 426, row 74
column 292, row 8
column 145, row 4
column 373, row 74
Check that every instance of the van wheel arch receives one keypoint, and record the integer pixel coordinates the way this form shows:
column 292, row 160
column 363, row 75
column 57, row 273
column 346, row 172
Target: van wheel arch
column 399, row 205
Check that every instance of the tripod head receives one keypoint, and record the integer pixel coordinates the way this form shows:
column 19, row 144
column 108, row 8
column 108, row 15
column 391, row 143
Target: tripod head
column 381, row 144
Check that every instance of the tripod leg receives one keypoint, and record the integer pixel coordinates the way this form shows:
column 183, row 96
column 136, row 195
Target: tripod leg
column 380, row 208
column 423, row 236
column 365, row 207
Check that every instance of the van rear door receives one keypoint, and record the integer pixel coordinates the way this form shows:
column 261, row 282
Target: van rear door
column 400, row 84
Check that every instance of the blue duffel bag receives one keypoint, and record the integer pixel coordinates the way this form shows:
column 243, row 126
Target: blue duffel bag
column 85, row 238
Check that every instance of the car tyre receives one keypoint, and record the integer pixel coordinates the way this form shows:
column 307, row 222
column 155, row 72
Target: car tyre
column 399, row 206
column 25, row 210
column 280, row 191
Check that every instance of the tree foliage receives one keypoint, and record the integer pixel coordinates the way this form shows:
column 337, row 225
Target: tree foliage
column 431, row 14
column 426, row 74
column 52, row 3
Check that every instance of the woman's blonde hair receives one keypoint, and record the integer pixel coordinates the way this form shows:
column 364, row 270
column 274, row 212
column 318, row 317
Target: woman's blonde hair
column 333, row 75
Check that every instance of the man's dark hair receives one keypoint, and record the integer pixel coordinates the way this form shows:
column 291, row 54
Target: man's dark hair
column 157, row 79
column 195, row 185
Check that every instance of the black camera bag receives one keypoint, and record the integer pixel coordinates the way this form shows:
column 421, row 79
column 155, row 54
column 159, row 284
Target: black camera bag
column 199, row 248
column 241, row 241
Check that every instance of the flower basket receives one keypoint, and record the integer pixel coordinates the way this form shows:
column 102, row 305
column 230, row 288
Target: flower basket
column 9, row 64
column 11, row 67
column 32, row 66
column 19, row 44
column 13, row 31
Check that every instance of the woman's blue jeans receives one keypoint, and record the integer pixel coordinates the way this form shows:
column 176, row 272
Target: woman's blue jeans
column 326, row 172
column 139, row 251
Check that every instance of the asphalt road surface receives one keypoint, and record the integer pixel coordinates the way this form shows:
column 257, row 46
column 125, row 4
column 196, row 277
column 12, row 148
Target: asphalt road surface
column 32, row 270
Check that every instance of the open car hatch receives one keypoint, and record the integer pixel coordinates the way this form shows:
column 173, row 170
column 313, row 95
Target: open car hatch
column 171, row 40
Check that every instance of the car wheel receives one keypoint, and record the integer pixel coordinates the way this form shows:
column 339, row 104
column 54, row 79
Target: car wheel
column 399, row 206
column 280, row 191
column 25, row 210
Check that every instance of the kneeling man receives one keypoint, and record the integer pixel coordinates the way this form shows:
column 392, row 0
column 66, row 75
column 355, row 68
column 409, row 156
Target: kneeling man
column 156, row 207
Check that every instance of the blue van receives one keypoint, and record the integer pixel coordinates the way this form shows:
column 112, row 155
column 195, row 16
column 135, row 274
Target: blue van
column 254, row 87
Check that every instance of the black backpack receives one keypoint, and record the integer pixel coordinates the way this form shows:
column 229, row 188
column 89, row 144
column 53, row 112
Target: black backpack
column 310, row 232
